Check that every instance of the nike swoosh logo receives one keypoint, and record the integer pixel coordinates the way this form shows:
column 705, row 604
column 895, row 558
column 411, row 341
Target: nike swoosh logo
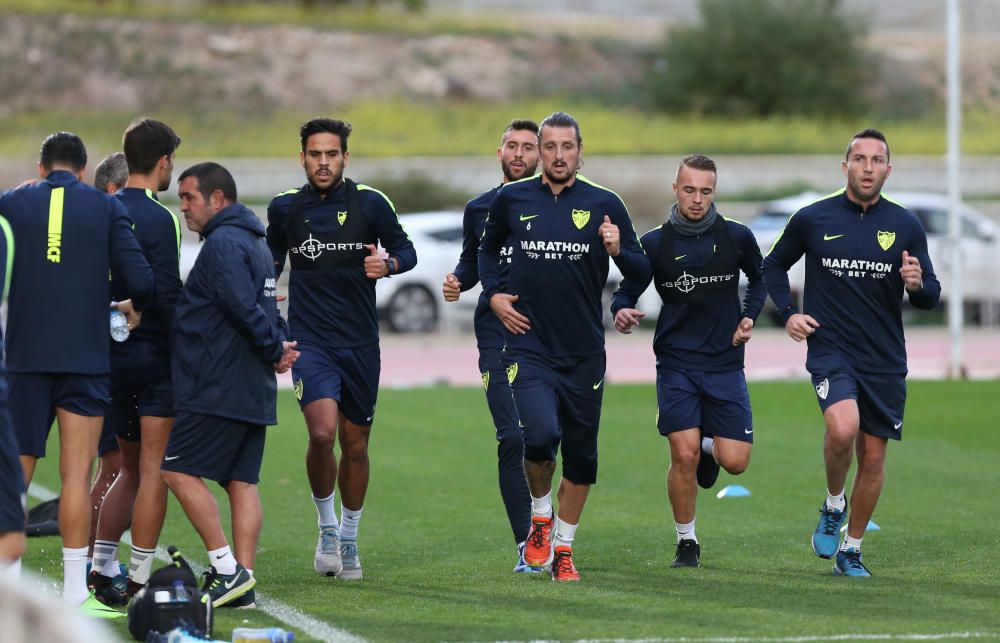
column 168, row 459
column 232, row 583
column 598, row 385
column 748, row 431
column 524, row 218
column 897, row 425
column 831, row 237
column 679, row 258
column 369, row 418
column 220, row 557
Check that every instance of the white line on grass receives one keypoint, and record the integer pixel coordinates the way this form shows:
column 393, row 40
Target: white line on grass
column 271, row 606
column 795, row 639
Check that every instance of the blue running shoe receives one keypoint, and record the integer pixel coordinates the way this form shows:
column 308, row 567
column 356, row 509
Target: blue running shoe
column 524, row 568
column 826, row 538
column 849, row 564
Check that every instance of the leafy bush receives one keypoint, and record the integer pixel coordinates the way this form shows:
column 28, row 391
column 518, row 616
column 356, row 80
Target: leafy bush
column 764, row 57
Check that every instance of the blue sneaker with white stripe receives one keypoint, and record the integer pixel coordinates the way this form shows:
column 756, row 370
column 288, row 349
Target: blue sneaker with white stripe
column 524, row 568
column 849, row 564
column 826, row 538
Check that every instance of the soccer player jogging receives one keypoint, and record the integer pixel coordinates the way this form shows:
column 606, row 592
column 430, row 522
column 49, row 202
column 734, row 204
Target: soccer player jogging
column 701, row 332
column 69, row 237
column 329, row 229
column 862, row 252
column 13, row 502
column 518, row 156
column 142, row 402
column 227, row 342
column 562, row 229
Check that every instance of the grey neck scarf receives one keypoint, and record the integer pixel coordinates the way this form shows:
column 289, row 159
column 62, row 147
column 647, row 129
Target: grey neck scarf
column 692, row 228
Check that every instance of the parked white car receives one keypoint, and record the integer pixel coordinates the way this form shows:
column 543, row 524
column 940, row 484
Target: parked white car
column 980, row 242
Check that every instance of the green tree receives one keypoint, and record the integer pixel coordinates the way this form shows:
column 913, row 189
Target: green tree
column 763, row 57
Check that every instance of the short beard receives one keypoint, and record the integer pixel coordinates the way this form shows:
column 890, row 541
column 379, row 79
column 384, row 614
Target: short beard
column 333, row 186
column 509, row 175
column 557, row 181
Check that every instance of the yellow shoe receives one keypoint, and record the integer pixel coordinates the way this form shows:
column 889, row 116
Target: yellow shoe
column 96, row 609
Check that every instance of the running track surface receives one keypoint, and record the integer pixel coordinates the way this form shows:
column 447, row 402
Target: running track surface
column 451, row 359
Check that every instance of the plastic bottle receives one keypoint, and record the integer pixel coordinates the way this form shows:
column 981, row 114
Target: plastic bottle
column 119, row 326
column 262, row 635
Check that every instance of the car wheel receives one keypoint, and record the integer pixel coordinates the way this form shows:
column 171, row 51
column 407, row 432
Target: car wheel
column 412, row 309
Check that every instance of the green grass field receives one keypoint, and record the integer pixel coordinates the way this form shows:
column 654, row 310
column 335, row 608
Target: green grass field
column 438, row 554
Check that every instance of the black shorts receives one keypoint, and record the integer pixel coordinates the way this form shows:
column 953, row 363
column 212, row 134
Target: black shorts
column 135, row 393
column 13, row 502
column 881, row 397
column 35, row 396
column 347, row 375
column 718, row 403
column 558, row 401
column 216, row 448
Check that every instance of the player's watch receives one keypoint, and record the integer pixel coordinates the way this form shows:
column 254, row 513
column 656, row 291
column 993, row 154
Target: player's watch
column 388, row 267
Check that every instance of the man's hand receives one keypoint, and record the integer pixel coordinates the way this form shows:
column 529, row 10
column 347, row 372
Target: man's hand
column 626, row 318
column 611, row 237
column 743, row 331
column 503, row 307
column 288, row 357
column 132, row 316
column 375, row 266
column 911, row 272
column 800, row 326
column 452, row 287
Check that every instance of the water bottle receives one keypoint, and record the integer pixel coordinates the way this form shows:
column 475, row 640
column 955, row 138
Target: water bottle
column 119, row 326
column 262, row 635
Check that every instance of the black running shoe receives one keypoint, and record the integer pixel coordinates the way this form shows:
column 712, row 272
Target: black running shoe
column 688, row 554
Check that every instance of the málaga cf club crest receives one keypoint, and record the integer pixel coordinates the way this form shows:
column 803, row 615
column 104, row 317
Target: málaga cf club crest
column 886, row 239
column 580, row 218
column 341, row 217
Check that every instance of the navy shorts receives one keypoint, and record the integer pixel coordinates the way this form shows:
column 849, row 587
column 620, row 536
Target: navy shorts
column 498, row 394
column 881, row 397
column 35, row 396
column 13, row 502
column 718, row 403
column 558, row 401
column 136, row 393
column 216, row 448
column 347, row 375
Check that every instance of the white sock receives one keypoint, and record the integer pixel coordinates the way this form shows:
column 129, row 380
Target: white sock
column 222, row 560
column 349, row 519
column 141, row 564
column 326, row 511
column 685, row 531
column 11, row 569
column 565, row 533
column 707, row 444
column 106, row 558
column 75, row 575
column 851, row 543
column 837, row 502
column 542, row 506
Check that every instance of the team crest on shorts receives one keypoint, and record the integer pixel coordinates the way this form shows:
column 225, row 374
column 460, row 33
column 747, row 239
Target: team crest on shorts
column 341, row 217
column 823, row 389
column 580, row 218
column 486, row 381
column 512, row 373
column 885, row 239
column 297, row 388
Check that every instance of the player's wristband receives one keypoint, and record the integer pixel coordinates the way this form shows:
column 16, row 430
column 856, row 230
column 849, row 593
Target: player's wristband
column 388, row 267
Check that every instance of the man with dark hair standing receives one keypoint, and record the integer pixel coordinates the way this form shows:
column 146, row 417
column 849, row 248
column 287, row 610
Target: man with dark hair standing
column 69, row 237
column 227, row 341
column 862, row 252
column 702, row 399
column 142, row 402
column 329, row 229
column 551, row 310
column 518, row 156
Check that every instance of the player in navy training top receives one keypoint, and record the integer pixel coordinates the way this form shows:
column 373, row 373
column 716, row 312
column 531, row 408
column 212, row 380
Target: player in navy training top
column 518, row 156
column 330, row 229
column 702, row 399
column 13, row 503
column 862, row 252
column 562, row 229
column 70, row 236
column 142, row 401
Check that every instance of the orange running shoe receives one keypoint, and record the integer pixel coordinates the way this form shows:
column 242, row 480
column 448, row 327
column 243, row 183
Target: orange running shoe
column 538, row 548
column 563, row 568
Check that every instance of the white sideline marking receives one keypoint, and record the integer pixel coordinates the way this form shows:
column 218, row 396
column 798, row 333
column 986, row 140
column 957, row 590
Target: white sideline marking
column 283, row 612
column 794, row 639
